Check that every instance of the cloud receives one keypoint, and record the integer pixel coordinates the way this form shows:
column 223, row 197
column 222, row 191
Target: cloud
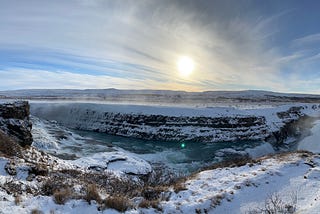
column 137, row 43
column 307, row 40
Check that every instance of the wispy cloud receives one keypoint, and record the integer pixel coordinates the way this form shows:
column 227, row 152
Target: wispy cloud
column 307, row 40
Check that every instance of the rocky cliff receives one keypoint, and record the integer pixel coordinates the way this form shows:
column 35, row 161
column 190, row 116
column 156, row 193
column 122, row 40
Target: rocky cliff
column 177, row 124
column 14, row 121
column 169, row 128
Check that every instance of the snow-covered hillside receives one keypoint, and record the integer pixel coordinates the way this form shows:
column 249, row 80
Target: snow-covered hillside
column 291, row 178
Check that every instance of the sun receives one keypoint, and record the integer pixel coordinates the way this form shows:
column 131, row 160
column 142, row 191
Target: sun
column 185, row 66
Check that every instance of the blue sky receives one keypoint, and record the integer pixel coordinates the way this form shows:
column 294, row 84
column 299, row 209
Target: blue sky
column 125, row 44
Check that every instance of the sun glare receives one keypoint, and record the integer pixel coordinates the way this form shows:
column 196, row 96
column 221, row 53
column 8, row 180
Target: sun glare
column 185, row 66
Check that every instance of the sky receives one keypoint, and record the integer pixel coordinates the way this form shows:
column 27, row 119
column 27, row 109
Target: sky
column 136, row 44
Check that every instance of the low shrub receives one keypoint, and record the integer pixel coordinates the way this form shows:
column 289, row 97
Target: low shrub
column 62, row 196
column 92, row 194
column 119, row 203
column 275, row 204
column 9, row 147
column 150, row 204
column 36, row 211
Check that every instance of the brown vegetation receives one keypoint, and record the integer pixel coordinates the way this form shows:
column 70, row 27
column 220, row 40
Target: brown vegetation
column 62, row 196
column 120, row 203
column 8, row 147
column 36, row 211
column 92, row 194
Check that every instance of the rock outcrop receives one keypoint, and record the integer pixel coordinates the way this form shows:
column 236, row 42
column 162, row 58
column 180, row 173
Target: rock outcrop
column 14, row 121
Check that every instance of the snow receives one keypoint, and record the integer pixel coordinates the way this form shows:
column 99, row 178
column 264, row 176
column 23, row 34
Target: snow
column 119, row 162
column 240, row 189
column 221, row 190
column 311, row 143
column 47, row 205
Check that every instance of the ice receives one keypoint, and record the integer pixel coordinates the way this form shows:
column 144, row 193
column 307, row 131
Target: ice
column 311, row 143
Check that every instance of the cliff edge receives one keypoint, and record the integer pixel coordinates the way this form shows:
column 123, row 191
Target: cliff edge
column 14, row 121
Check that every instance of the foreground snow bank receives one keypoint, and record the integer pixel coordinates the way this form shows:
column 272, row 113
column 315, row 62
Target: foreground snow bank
column 220, row 190
column 241, row 189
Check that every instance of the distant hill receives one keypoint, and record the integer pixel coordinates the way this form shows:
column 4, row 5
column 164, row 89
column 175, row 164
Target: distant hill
column 160, row 96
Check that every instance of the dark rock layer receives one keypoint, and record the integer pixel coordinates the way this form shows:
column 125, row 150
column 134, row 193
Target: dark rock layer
column 14, row 121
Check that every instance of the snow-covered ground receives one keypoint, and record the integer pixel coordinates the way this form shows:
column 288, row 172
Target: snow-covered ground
column 222, row 190
column 239, row 190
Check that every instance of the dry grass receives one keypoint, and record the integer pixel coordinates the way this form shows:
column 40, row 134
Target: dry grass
column 179, row 186
column 92, row 194
column 39, row 169
column 153, row 193
column 36, row 211
column 17, row 200
column 120, row 203
column 62, row 196
column 8, row 147
column 234, row 162
column 150, row 204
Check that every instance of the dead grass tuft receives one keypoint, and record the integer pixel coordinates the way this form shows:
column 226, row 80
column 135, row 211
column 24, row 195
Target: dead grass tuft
column 17, row 200
column 62, row 196
column 36, row 211
column 8, row 147
column 92, row 194
column 120, row 203
column 150, row 204
column 39, row 169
